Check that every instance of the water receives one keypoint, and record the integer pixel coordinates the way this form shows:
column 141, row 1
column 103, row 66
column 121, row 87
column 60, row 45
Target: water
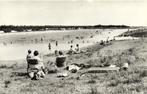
column 16, row 52
column 19, row 51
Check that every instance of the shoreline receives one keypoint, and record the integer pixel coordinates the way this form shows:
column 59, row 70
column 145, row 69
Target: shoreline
column 83, row 48
column 16, row 73
column 20, row 50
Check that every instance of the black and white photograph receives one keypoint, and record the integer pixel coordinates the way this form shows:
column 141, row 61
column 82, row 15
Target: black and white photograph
column 73, row 46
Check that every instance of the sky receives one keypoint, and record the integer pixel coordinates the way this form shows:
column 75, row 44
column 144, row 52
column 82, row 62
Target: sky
column 73, row 12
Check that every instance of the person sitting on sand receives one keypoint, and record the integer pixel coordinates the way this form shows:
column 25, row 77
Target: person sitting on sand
column 37, row 70
column 61, row 65
column 28, row 58
column 77, row 49
column 71, row 48
column 60, row 60
column 102, row 42
column 71, row 51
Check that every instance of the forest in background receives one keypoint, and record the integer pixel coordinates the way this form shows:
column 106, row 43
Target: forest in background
column 25, row 28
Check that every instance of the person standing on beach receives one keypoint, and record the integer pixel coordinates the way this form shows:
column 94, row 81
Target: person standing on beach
column 49, row 46
column 107, row 40
column 56, row 43
column 114, row 38
column 41, row 39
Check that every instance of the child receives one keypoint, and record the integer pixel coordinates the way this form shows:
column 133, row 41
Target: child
column 28, row 59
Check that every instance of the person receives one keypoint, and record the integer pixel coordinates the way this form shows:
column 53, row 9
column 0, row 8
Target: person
column 60, row 60
column 107, row 40
column 102, row 42
column 56, row 52
column 114, row 38
column 72, row 41
column 28, row 58
column 37, row 70
column 49, row 46
column 71, row 48
column 61, row 65
column 56, row 43
column 41, row 39
column 71, row 51
column 77, row 49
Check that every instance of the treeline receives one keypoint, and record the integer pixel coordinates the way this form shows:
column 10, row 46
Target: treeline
column 9, row 28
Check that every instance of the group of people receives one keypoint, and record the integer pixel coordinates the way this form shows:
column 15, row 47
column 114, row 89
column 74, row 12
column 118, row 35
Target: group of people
column 49, row 45
column 74, row 51
column 35, row 66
